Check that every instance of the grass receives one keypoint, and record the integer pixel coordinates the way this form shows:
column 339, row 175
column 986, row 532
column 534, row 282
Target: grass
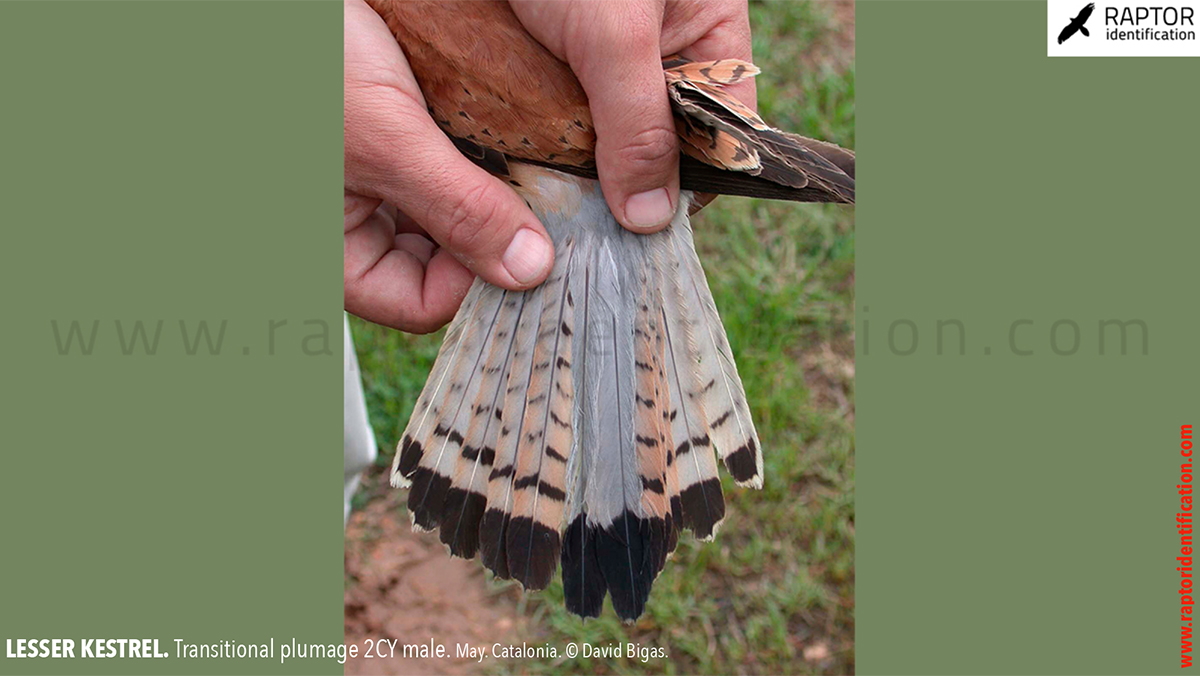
column 774, row 593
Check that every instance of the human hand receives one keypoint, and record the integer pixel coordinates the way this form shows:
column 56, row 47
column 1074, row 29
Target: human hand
column 615, row 49
column 396, row 155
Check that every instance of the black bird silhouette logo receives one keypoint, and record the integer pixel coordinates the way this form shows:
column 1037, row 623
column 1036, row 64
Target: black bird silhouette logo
column 1077, row 24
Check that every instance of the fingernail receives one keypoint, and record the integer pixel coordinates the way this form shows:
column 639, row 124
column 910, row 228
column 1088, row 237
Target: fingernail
column 527, row 256
column 649, row 209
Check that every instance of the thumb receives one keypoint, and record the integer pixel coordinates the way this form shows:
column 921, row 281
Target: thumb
column 637, row 150
column 396, row 152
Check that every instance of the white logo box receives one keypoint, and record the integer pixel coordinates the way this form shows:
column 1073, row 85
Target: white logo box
column 1125, row 28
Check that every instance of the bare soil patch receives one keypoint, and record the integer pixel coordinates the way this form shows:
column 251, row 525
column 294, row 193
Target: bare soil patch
column 404, row 586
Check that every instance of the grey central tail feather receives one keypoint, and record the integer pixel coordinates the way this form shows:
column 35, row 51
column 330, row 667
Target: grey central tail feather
column 578, row 421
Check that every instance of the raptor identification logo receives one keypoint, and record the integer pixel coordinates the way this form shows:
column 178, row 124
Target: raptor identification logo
column 1122, row 28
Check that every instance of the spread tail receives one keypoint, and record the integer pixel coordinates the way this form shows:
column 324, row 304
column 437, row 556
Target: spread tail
column 582, row 421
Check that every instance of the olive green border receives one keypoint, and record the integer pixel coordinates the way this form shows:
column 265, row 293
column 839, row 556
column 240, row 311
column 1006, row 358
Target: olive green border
column 174, row 161
column 1016, row 511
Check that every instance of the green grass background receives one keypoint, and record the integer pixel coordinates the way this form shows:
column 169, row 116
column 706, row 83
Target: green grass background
column 774, row 593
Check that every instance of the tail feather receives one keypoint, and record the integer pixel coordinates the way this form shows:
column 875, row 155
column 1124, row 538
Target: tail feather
column 495, row 522
column 450, row 417
column 701, row 502
column 656, row 319
column 575, row 422
column 612, row 512
column 669, row 473
column 584, row 586
column 467, row 496
column 728, row 414
column 539, row 480
column 420, row 424
column 651, row 433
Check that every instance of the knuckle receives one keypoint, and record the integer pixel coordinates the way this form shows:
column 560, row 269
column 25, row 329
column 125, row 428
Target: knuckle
column 626, row 38
column 603, row 35
column 635, row 22
column 467, row 215
column 605, row 28
column 641, row 26
column 649, row 148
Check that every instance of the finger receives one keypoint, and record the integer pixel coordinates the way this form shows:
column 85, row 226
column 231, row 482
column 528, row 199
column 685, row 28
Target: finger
column 406, row 224
column 400, row 281
column 417, row 245
column 637, row 150
column 357, row 209
column 395, row 151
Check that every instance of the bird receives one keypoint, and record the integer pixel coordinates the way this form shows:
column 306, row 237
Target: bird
column 578, row 425
column 1077, row 24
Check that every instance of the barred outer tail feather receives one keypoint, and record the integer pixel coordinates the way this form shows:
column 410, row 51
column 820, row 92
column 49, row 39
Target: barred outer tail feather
column 725, row 407
column 701, row 504
column 438, row 438
column 467, row 495
column 579, row 422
